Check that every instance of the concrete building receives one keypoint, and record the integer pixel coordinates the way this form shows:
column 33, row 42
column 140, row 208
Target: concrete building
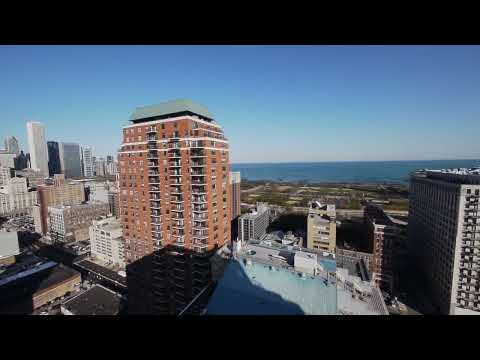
column 175, row 203
column 54, row 163
column 87, row 158
column 59, row 193
column 16, row 198
column 268, row 278
column 6, row 174
column 235, row 181
column 106, row 241
column 386, row 238
column 38, row 147
column 254, row 224
column 71, row 223
column 111, row 168
column 321, row 227
column 100, row 166
column 444, row 236
column 34, row 177
column 70, row 160
column 11, row 145
column 9, row 247
column 7, row 159
column 99, row 191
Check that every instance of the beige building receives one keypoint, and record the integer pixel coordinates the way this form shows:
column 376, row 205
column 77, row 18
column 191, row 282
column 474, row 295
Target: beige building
column 106, row 241
column 59, row 193
column 321, row 227
column 235, row 181
column 444, row 236
column 5, row 175
column 16, row 198
column 72, row 223
column 34, row 177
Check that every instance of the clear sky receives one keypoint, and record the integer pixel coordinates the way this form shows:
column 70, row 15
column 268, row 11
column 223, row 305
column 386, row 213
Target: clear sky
column 275, row 103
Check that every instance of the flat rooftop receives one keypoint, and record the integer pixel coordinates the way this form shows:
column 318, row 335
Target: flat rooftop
column 455, row 175
column 252, row 288
column 97, row 300
column 102, row 271
column 170, row 109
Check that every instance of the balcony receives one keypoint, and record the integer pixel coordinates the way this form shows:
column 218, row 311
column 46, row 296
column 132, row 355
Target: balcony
column 157, row 236
column 199, row 200
column 176, row 174
column 156, row 221
column 197, row 164
column 154, row 180
column 151, row 138
column 153, row 164
column 155, row 197
column 177, row 216
column 200, row 217
column 175, row 164
column 197, row 172
column 178, row 209
column 198, row 191
column 176, row 191
column 199, row 182
column 152, row 146
column 197, row 144
column 174, row 154
column 197, row 154
column 156, row 213
column 154, row 189
column 152, row 155
column 157, row 229
column 152, row 130
column 155, row 205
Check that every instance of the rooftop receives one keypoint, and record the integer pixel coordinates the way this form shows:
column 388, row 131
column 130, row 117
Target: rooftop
column 97, row 300
column 169, row 108
column 9, row 244
column 260, row 208
column 455, row 175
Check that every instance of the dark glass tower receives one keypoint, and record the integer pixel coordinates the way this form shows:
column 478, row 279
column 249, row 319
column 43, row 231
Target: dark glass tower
column 53, row 158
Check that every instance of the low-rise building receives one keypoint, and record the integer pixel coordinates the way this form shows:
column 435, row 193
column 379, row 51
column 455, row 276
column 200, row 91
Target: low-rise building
column 269, row 278
column 27, row 286
column 321, row 227
column 254, row 224
column 72, row 223
column 97, row 300
column 16, row 198
column 9, row 247
column 106, row 241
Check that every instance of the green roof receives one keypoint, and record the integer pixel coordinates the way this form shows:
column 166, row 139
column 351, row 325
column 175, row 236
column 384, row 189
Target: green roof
column 170, row 107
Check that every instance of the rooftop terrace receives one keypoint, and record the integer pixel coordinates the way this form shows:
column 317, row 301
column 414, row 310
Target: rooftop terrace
column 168, row 109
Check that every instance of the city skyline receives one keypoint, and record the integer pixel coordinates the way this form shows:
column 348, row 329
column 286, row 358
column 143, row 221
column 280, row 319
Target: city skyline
column 364, row 98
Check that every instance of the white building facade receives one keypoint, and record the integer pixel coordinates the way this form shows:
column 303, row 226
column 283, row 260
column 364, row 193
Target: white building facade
column 38, row 146
column 16, row 198
column 106, row 241
column 87, row 156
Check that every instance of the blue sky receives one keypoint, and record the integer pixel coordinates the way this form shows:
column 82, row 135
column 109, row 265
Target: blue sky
column 275, row 103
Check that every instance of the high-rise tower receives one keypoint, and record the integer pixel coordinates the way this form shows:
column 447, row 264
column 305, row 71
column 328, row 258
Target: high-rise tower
column 38, row 147
column 174, row 203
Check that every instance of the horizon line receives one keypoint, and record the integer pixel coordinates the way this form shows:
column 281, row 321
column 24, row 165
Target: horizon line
column 336, row 161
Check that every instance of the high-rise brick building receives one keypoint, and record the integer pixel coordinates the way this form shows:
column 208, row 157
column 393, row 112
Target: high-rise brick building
column 174, row 203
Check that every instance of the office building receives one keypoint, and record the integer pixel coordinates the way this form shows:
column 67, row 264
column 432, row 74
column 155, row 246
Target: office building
column 54, row 164
column 21, row 161
column 111, row 168
column 175, row 203
column 269, row 278
column 6, row 174
column 70, row 160
column 11, row 145
column 16, row 198
column 7, row 159
column 386, row 238
column 254, row 224
column 99, row 166
column 34, row 177
column 444, row 236
column 71, row 223
column 38, row 147
column 87, row 155
column 321, row 227
column 98, row 300
column 60, row 192
column 106, row 242
column 235, row 181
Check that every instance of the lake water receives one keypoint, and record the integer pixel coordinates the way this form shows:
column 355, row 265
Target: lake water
column 345, row 172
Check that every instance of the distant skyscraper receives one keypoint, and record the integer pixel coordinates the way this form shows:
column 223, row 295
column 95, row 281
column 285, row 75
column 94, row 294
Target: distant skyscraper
column 21, row 161
column 11, row 145
column 88, row 169
column 235, row 184
column 38, row 146
column 100, row 167
column 54, row 165
column 109, row 159
column 70, row 160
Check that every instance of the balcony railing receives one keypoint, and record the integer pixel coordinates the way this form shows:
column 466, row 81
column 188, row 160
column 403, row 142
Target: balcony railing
column 197, row 164
column 153, row 164
column 155, row 189
column 152, row 130
column 151, row 146
column 200, row 217
column 155, row 204
column 152, row 155
column 175, row 164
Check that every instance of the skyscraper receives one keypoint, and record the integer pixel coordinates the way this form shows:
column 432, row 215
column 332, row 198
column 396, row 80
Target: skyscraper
column 88, row 169
column 100, row 166
column 174, row 205
column 38, row 147
column 11, row 145
column 235, row 180
column 444, row 236
column 70, row 160
column 54, row 165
